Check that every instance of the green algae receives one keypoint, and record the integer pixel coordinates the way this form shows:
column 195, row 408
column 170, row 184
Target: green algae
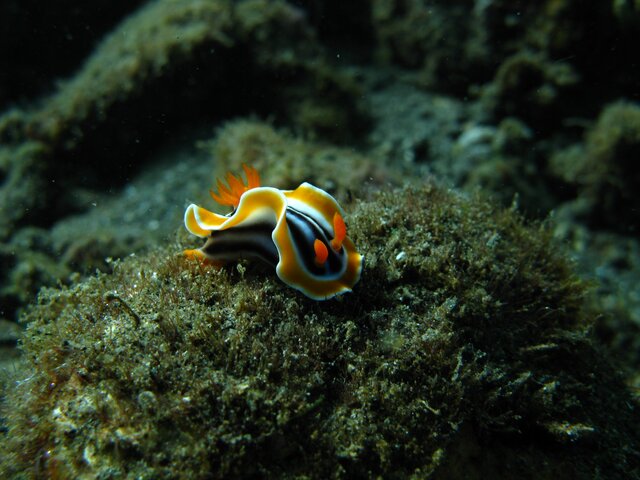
column 462, row 349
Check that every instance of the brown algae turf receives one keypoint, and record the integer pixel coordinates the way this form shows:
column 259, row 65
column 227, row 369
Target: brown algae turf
column 464, row 349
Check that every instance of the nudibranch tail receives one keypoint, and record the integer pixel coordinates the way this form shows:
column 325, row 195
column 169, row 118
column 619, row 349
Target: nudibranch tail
column 290, row 230
column 194, row 253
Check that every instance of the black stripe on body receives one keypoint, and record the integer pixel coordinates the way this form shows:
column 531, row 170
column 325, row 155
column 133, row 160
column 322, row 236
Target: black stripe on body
column 304, row 231
column 242, row 242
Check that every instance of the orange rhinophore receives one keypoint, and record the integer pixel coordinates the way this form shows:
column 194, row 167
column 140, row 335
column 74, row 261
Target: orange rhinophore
column 339, row 232
column 322, row 252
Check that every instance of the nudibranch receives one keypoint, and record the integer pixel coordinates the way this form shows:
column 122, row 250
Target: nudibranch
column 300, row 232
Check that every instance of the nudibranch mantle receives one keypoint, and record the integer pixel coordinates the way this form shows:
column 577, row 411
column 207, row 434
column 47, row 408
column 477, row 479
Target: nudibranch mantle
column 300, row 232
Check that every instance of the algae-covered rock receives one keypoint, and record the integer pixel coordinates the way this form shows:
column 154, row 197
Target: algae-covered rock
column 454, row 45
column 284, row 160
column 205, row 60
column 462, row 351
column 612, row 170
column 533, row 88
column 605, row 170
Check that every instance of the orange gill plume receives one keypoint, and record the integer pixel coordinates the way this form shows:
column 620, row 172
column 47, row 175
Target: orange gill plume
column 231, row 195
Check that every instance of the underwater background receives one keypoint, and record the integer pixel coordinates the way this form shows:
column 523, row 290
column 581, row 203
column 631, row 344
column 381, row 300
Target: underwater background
column 487, row 157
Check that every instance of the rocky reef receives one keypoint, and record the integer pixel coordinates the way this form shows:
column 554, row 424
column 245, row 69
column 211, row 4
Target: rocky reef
column 463, row 349
column 485, row 153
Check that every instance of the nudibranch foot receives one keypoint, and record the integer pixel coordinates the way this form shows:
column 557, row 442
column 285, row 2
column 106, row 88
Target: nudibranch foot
column 197, row 254
column 288, row 229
